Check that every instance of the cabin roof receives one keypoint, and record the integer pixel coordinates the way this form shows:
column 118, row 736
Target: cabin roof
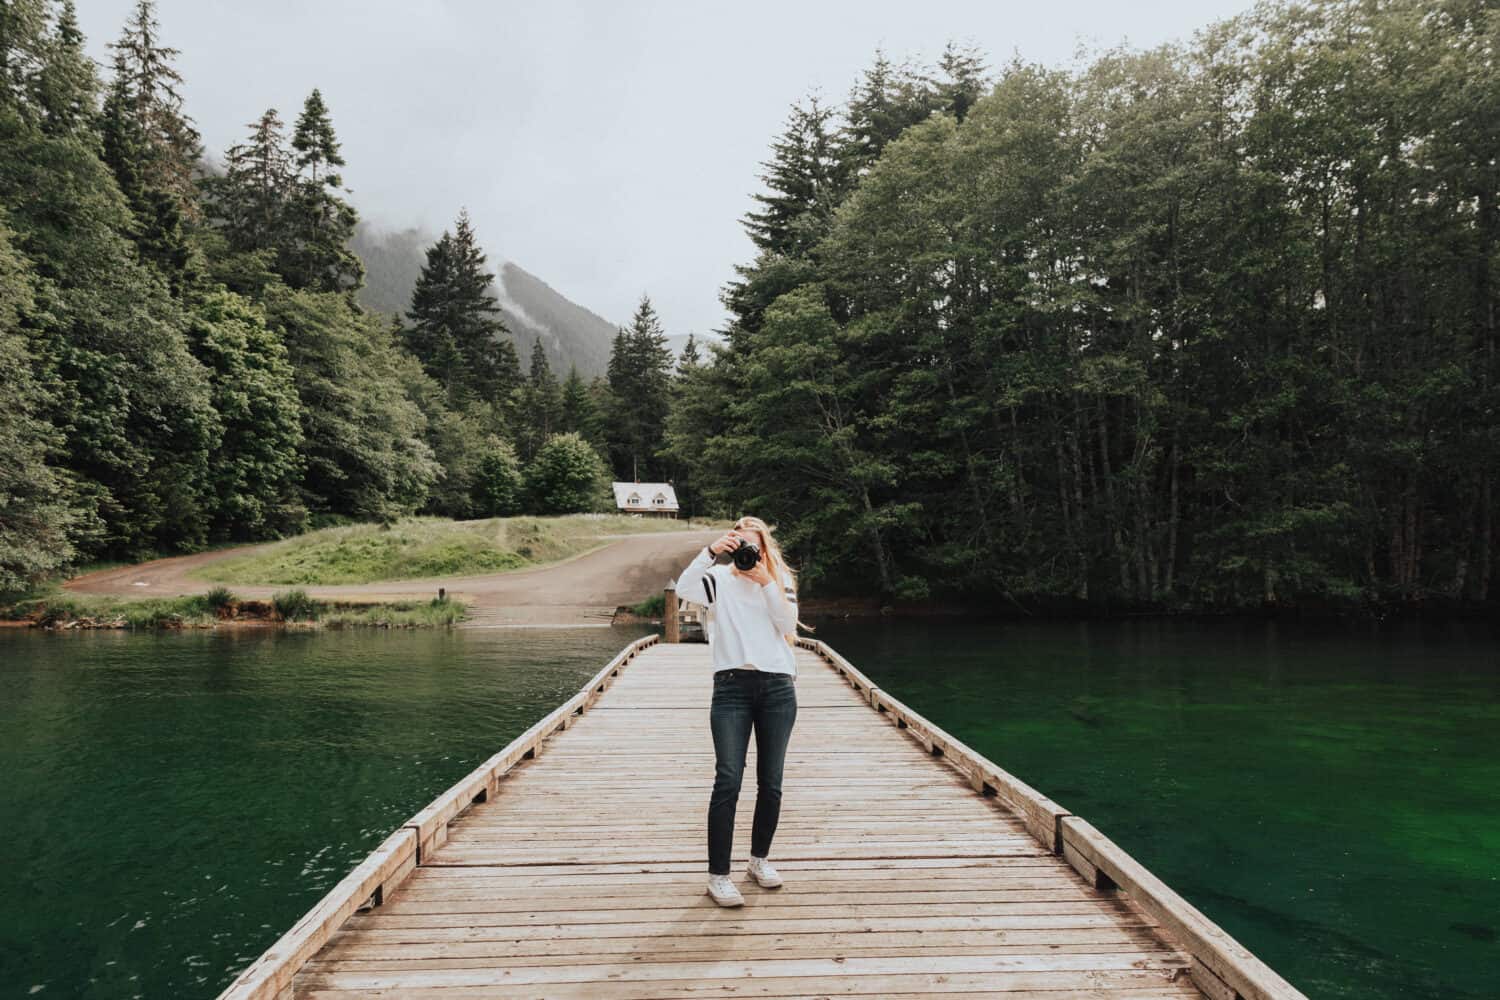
column 644, row 496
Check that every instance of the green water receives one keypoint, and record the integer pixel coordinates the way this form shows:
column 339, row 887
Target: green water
column 1330, row 797
column 173, row 802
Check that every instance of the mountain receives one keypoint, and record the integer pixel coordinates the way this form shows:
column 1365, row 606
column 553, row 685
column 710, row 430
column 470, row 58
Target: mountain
column 392, row 261
column 531, row 308
column 570, row 333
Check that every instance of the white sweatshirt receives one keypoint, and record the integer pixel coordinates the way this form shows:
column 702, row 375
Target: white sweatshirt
column 747, row 622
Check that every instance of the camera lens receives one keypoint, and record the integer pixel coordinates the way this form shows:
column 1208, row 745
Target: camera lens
column 746, row 556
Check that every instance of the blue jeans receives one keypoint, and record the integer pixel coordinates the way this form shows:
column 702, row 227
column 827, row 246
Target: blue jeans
column 746, row 699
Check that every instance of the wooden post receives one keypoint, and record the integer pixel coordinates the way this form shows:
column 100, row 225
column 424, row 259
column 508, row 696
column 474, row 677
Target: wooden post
column 669, row 614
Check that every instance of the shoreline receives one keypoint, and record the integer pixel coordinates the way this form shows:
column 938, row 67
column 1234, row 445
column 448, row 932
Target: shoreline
column 193, row 614
column 389, row 615
column 864, row 609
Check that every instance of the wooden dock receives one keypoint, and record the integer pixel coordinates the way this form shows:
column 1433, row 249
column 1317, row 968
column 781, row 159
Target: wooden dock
column 573, row 863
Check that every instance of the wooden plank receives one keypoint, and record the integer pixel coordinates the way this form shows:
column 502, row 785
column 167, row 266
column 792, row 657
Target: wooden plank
column 436, row 947
column 1023, row 971
column 400, row 928
column 970, row 987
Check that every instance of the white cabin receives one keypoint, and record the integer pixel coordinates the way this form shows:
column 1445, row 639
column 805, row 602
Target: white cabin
column 646, row 499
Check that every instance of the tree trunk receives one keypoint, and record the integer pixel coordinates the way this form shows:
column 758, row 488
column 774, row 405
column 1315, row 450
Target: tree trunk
column 1147, row 570
column 1017, row 471
column 979, row 504
column 1069, row 521
column 1412, row 548
column 1082, row 590
column 1170, row 569
column 1110, row 510
column 1464, row 546
column 1486, row 537
column 877, row 546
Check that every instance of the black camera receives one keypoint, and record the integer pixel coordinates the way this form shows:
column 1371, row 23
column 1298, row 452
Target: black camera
column 744, row 558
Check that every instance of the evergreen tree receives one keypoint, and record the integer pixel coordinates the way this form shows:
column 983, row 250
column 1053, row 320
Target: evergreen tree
column 123, row 137
column 153, row 84
column 316, row 144
column 887, row 101
column 689, row 358
column 455, row 327
column 23, row 44
column 315, row 250
column 582, row 413
column 364, row 446
column 541, row 406
column 461, row 442
column 431, row 335
column 804, row 182
column 249, row 201
column 66, row 86
column 688, row 425
column 639, row 376
column 963, row 79
column 255, row 466
column 109, row 344
column 600, row 405
column 37, row 519
column 152, row 146
column 808, row 176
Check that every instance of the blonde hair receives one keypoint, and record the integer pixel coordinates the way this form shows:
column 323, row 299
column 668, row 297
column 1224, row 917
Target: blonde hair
column 775, row 561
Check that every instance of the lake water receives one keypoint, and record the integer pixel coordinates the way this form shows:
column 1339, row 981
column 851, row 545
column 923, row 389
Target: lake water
column 1330, row 796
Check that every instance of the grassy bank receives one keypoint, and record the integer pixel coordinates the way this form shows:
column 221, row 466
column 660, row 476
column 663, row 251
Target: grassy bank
column 396, row 614
column 220, row 606
column 58, row 609
column 423, row 547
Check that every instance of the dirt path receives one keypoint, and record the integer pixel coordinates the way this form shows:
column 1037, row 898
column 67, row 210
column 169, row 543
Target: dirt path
column 583, row 590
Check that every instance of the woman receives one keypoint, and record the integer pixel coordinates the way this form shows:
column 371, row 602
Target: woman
column 752, row 629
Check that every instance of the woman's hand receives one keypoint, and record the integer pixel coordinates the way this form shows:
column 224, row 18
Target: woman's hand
column 727, row 543
column 758, row 573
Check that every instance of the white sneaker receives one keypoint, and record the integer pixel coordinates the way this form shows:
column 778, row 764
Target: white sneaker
column 760, row 869
column 722, row 889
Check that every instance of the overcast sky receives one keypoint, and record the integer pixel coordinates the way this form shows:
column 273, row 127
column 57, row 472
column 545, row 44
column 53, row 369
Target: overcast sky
column 608, row 147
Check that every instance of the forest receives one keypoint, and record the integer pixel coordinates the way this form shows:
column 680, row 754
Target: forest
column 185, row 360
column 1209, row 326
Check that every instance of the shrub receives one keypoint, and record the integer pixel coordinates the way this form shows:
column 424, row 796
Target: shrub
column 219, row 597
column 652, row 607
column 498, row 484
column 566, row 476
column 295, row 605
